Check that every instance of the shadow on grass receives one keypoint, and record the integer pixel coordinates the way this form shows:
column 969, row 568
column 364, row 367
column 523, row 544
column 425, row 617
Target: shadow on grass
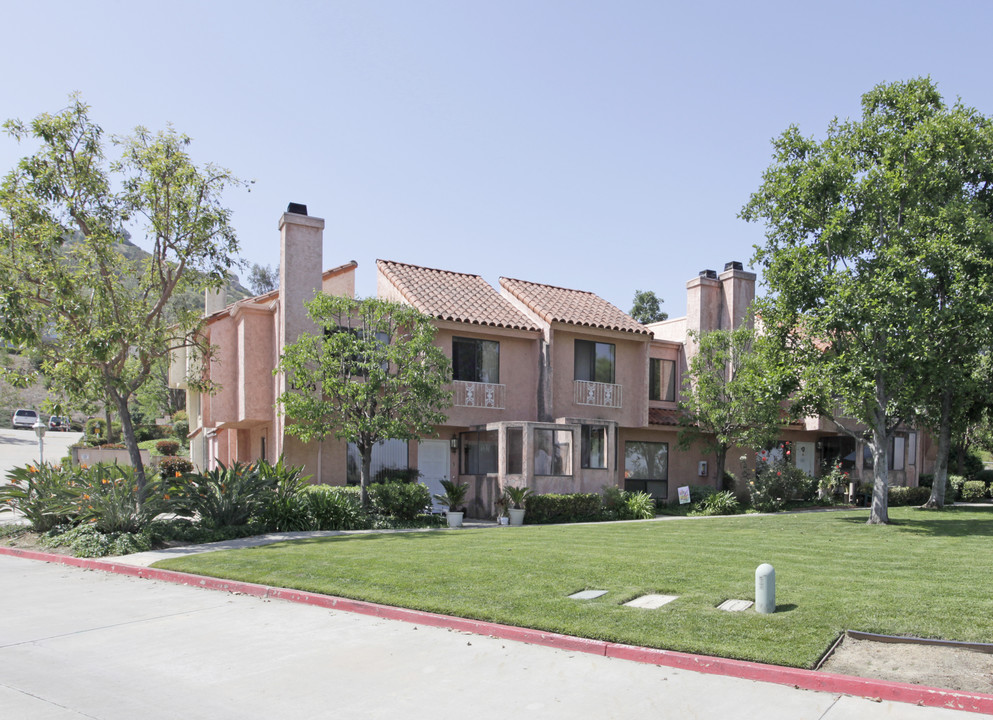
column 370, row 536
column 954, row 521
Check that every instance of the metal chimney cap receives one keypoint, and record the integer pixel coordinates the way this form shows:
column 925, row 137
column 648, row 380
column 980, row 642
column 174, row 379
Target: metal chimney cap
column 733, row 265
column 712, row 274
column 296, row 208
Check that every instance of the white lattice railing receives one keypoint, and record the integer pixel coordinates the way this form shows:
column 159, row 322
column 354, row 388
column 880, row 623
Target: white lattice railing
column 480, row 395
column 598, row 394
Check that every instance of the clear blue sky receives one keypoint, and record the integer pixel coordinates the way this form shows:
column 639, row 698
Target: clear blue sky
column 604, row 146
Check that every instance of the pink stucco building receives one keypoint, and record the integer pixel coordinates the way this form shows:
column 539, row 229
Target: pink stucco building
column 554, row 389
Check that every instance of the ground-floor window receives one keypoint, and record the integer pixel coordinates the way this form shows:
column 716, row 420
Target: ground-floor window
column 839, row 450
column 388, row 457
column 480, row 452
column 646, row 468
column 593, row 446
column 515, row 450
column 552, row 452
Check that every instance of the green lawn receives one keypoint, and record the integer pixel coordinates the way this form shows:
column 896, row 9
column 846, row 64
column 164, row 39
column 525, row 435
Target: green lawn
column 927, row 574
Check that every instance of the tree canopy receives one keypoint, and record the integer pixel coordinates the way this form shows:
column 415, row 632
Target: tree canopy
column 732, row 394
column 372, row 373
column 100, row 320
column 878, row 256
column 647, row 307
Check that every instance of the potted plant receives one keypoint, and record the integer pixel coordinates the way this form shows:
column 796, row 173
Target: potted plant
column 453, row 497
column 516, row 496
column 500, row 507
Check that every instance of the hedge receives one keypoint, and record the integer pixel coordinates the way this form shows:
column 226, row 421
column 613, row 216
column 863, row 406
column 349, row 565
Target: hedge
column 554, row 508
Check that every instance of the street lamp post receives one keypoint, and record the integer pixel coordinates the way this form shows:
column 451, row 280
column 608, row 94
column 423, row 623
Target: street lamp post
column 39, row 430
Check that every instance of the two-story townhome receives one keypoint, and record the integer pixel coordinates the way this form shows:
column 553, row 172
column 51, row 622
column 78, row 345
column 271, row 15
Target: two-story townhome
column 553, row 389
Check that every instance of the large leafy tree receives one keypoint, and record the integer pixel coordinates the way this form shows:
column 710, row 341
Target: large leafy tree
column 372, row 373
column 732, row 394
column 102, row 321
column 878, row 257
column 646, row 307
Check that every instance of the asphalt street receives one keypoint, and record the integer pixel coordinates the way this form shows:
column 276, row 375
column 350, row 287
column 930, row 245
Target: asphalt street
column 86, row 644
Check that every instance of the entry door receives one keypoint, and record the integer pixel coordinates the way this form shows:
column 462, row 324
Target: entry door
column 434, row 463
column 805, row 457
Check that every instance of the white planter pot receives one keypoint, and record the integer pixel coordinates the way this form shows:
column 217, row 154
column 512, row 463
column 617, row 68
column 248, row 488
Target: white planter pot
column 503, row 520
column 454, row 519
column 516, row 516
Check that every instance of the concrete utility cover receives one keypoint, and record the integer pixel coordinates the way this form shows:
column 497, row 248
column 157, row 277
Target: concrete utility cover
column 735, row 605
column 651, row 602
column 588, row 594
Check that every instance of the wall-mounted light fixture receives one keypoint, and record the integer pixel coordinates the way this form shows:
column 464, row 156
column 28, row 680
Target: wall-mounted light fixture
column 454, row 444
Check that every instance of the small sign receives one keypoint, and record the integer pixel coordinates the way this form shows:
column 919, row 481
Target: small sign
column 684, row 494
column 163, row 421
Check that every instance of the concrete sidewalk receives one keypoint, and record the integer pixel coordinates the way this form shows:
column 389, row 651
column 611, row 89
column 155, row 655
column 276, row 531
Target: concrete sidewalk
column 86, row 644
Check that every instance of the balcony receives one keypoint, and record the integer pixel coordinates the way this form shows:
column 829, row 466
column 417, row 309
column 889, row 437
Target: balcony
column 479, row 395
column 598, row 394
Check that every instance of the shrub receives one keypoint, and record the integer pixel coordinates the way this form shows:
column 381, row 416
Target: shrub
column 925, row 480
column 554, row 508
column 95, row 428
column 720, row 503
column 335, row 508
column 396, row 475
column 181, row 428
column 40, row 493
column 624, row 505
column 404, row 501
column 985, row 476
column 908, row 495
column 167, row 447
column 953, row 490
column 107, row 497
column 226, row 495
column 88, row 541
column 175, row 466
column 972, row 464
column 973, row 490
column 774, row 484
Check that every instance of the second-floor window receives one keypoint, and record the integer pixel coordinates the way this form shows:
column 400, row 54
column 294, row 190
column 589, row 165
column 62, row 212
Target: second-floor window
column 475, row 360
column 662, row 380
column 594, row 361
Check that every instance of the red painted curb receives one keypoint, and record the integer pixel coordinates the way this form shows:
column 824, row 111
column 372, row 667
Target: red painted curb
column 742, row 669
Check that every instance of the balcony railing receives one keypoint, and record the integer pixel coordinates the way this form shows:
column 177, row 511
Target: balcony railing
column 598, row 394
column 480, row 395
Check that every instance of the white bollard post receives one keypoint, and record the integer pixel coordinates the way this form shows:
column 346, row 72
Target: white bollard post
column 765, row 589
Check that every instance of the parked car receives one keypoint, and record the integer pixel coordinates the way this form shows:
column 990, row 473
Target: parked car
column 58, row 422
column 23, row 418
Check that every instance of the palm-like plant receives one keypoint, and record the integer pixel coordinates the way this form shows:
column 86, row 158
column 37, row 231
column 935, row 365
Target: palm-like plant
column 517, row 496
column 454, row 494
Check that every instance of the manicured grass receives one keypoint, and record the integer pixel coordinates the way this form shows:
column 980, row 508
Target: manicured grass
column 927, row 574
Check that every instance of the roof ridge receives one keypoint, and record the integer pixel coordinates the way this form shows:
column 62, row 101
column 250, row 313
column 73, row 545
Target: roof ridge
column 555, row 287
column 425, row 267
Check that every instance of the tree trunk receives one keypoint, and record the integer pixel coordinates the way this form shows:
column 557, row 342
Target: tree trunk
column 127, row 430
column 937, row 499
column 108, row 417
column 721, row 457
column 364, row 472
column 879, row 514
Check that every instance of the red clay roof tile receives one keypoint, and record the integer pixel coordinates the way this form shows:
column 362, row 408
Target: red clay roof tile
column 447, row 295
column 575, row 307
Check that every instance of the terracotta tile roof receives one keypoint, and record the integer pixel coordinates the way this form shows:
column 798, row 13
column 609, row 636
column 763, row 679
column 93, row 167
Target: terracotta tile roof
column 662, row 416
column 446, row 295
column 575, row 307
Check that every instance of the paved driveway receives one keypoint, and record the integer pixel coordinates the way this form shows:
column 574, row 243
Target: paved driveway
column 82, row 644
column 20, row 447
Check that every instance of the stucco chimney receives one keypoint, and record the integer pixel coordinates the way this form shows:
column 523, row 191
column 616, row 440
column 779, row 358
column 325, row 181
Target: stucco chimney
column 301, row 259
column 737, row 295
column 703, row 297
column 214, row 300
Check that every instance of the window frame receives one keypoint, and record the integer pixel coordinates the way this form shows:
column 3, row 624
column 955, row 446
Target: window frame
column 479, row 346
column 591, row 350
column 585, row 447
column 655, row 380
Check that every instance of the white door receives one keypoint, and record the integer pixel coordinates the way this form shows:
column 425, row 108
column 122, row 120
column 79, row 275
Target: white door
column 434, row 463
column 805, row 457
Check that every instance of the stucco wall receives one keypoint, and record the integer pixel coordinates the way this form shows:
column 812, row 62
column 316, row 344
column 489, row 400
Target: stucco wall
column 630, row 372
